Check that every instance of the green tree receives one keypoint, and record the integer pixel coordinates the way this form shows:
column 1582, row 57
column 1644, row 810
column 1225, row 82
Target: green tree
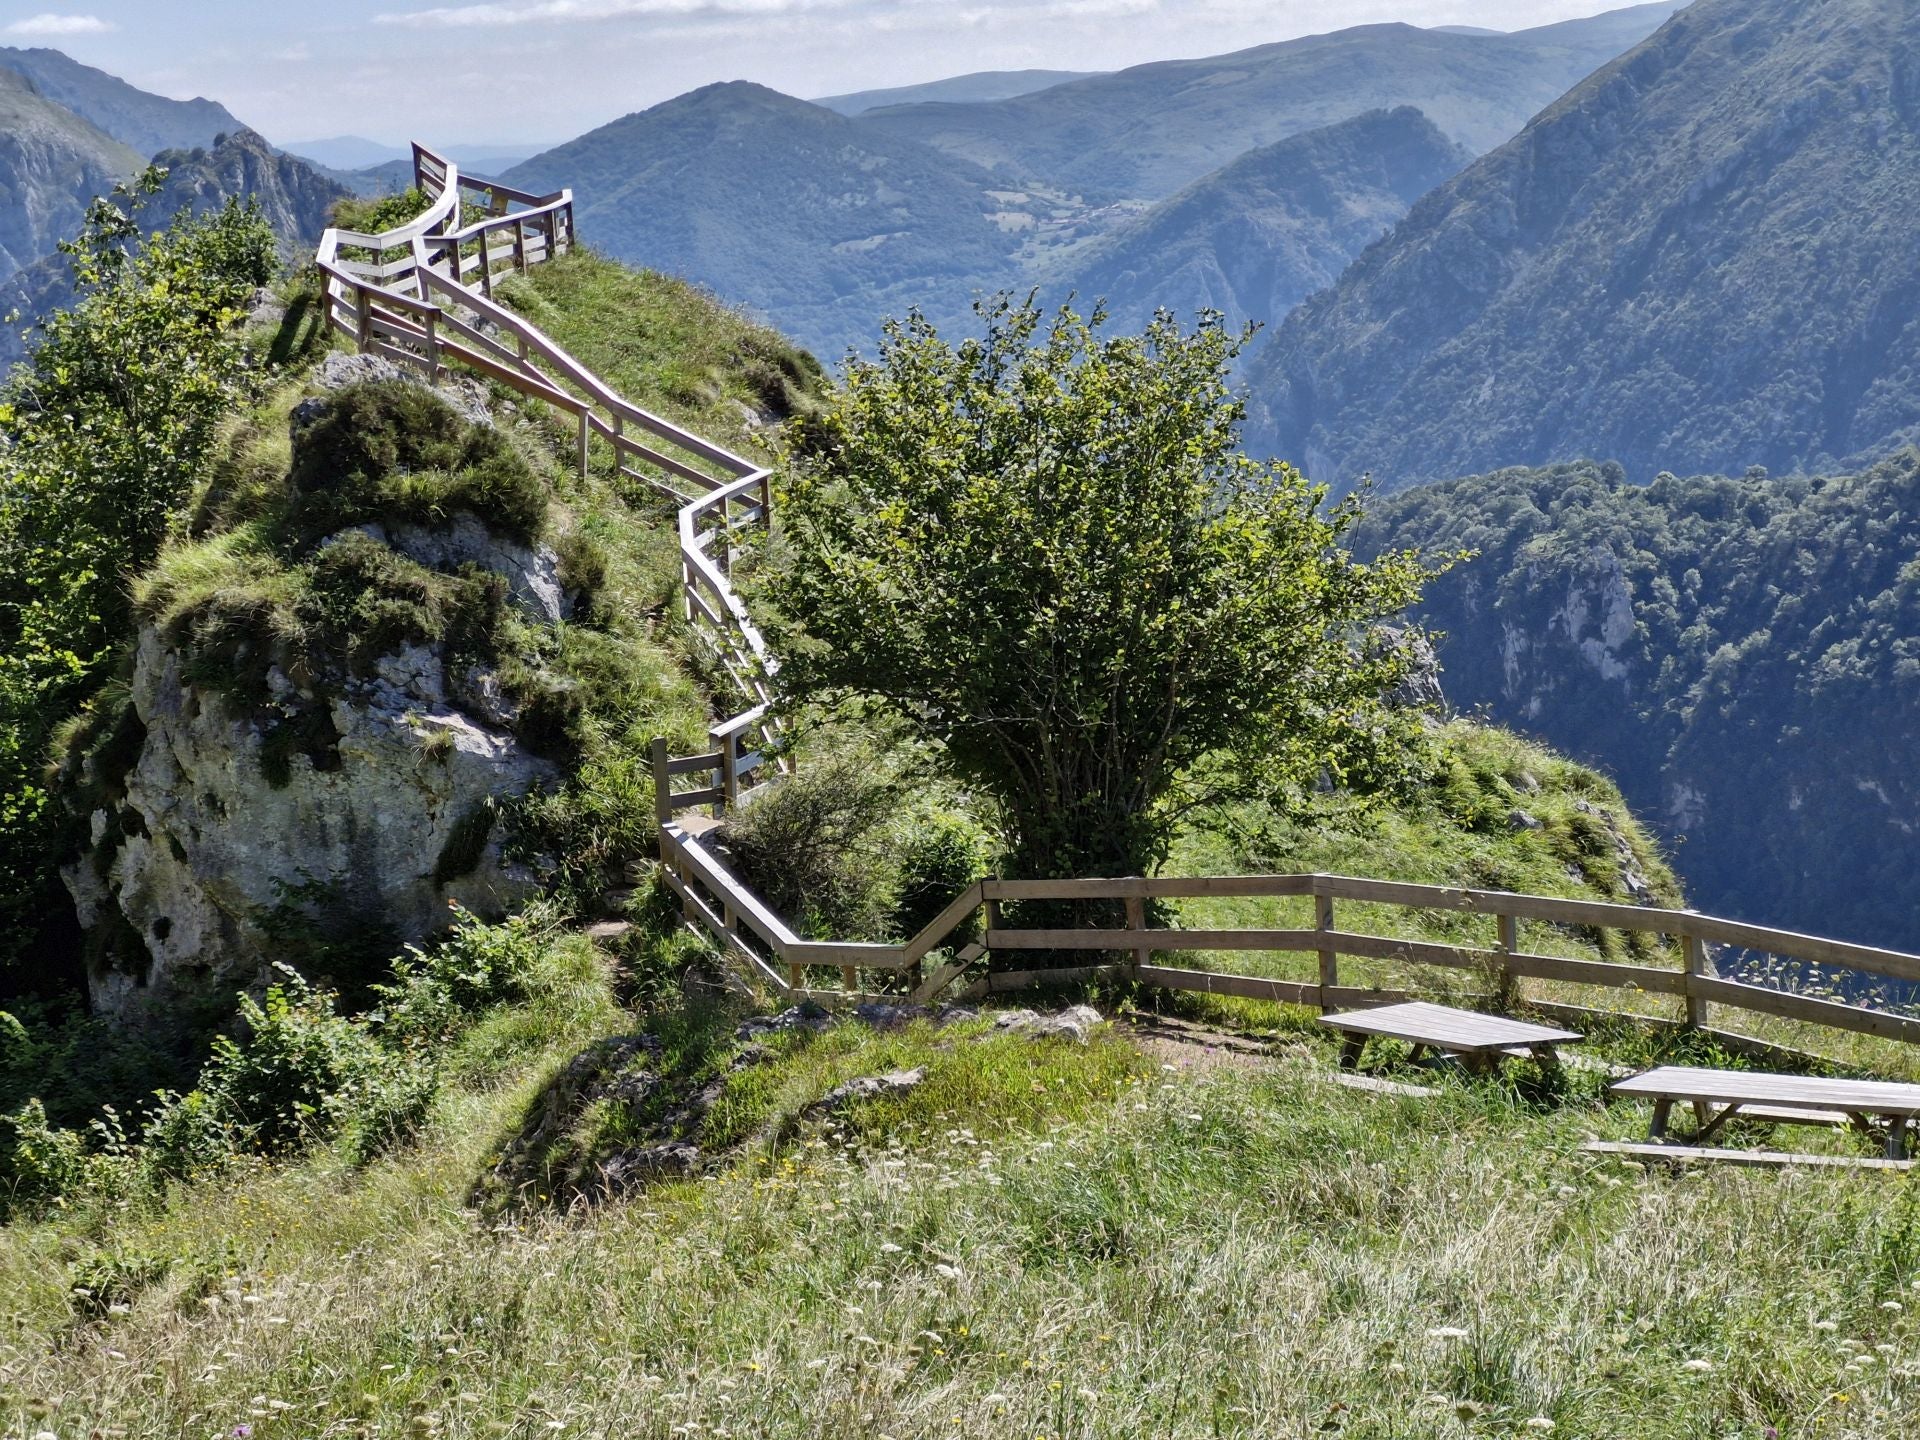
column 1045, row 547
column 102, row 434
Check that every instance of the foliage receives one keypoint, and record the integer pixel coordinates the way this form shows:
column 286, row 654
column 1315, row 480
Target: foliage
column 1045, row 549
column 105, row 432
column 395, row 451
column 862, row 842
column 1741, row 652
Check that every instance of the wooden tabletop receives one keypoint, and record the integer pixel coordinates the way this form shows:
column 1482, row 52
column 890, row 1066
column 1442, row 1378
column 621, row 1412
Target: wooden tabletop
column 1744, row 1087
column 1444, row 1028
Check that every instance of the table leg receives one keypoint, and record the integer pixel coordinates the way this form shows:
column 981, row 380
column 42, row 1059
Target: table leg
column 1896, row 1137
column 1662, row 1108
column 1706, row 1131
column 1548, row 1059
column 1351, row 1049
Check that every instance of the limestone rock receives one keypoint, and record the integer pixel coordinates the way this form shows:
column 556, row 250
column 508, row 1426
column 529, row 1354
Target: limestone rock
column 869, row 1087
column 205, row 856
column 1075, row 1023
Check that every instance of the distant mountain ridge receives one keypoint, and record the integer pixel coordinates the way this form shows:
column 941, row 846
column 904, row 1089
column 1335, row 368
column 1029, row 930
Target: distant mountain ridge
column 1743, row 655
column 1147, row 131
column 145, row 122
column 1257, row 237
column 1701, row 258
column 980, row 86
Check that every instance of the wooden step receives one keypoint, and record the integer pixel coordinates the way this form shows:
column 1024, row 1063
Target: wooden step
column 1777, row 1159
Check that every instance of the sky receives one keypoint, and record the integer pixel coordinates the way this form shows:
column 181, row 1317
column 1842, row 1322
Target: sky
column 472, row 72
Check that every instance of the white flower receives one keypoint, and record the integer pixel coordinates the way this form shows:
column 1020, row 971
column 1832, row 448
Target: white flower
column 947, row 1272
column 1891, row 1305
column 1540, row 1423
column 1699, row 1367
column 1828, row 1326
column 1446, row 1332
column 889, row 1248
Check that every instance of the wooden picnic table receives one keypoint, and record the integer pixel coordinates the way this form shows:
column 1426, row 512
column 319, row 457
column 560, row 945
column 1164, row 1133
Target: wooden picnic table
column 1793, row 1098
column 1480, row 1041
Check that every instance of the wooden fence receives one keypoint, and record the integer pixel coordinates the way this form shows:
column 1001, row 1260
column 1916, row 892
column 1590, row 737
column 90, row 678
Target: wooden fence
column 716, row 900
column 422, row 294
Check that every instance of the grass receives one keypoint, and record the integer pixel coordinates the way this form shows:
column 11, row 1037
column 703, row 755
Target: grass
column 1044, row 1240
column 676, row 349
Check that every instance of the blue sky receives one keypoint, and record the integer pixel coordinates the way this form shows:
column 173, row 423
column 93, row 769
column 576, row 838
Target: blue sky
column 439, row 70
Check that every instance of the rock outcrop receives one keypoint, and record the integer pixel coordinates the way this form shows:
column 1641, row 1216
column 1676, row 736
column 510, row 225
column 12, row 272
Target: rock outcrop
column 348, row 809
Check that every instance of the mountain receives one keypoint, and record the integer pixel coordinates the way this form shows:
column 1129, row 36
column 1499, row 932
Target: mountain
column 1258, row 236
column 1743, row 655
column 971, row 89
column 347, row 152
column 148, row 123
column 1701, row 258
column 1147, row 131
column 796, row 212
column 293, row 197
column 52, row 163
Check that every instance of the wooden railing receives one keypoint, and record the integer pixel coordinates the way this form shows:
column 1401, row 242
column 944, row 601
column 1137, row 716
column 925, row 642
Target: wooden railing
column 421, row 294
column 716, row 900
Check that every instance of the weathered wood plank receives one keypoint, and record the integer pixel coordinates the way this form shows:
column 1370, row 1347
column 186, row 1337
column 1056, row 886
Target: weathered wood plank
column 1769, row 1159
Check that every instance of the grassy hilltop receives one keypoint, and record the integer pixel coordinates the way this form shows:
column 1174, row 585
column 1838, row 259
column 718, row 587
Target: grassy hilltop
column 389, row 1214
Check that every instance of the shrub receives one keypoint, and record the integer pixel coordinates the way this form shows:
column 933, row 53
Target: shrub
column 296, row 1072
column 390, row 450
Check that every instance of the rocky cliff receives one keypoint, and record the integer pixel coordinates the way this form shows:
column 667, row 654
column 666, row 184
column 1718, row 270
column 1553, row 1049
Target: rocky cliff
column 1743, row 654
column 52, row 163
column 319, row 740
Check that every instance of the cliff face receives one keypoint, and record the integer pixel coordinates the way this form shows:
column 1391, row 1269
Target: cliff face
column 337, row 806
column 293, row 197
column 1743, row 655
column 52, row 163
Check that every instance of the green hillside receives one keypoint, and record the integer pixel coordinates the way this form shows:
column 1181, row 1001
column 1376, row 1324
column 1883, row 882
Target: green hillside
column 1741, row 653
column 1696, row 261
column 1257, row 237
column 564, row 1173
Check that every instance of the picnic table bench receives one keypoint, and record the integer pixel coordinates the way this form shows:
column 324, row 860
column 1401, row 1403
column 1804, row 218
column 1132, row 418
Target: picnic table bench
column 1794, row 1099
column 1480, row 1041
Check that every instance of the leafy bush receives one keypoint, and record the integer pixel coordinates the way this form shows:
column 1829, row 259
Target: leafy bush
column 102, row 436
column 296, row 1074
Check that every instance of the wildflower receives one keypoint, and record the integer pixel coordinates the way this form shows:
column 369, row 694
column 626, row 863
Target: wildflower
column 947, row 1272
column 1894, row 1305
column 889, row 1248
column 1446, row 1332
column 1540, row 1423
column 1827, row 1326
column 1699, row 1367
column 241, row 1432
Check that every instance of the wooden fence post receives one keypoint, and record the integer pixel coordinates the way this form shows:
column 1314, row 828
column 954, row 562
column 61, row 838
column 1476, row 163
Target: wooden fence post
column 1696, row 952
column 433, row 347
column 586, row 432
column 365, row 299
column 662, row 783
column 1508, row 946
column 729, row 771
column 1137, row 922
column 1329, row 958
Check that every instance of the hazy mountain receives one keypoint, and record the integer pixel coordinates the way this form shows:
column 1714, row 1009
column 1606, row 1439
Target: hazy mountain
column 1255, row 238
column 347, row 152
column 788, row 208
column 293, row 198
column 1743, row 655
column 957, row 90
column 52, row 163
column 148, row 123
column 1702, row 258
column 1147, row 131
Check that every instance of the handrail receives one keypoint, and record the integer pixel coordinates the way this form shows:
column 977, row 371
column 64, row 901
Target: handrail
column 434, row 307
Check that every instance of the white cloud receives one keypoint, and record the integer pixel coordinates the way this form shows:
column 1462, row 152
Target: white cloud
column 556, row 11
column 51, row 24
